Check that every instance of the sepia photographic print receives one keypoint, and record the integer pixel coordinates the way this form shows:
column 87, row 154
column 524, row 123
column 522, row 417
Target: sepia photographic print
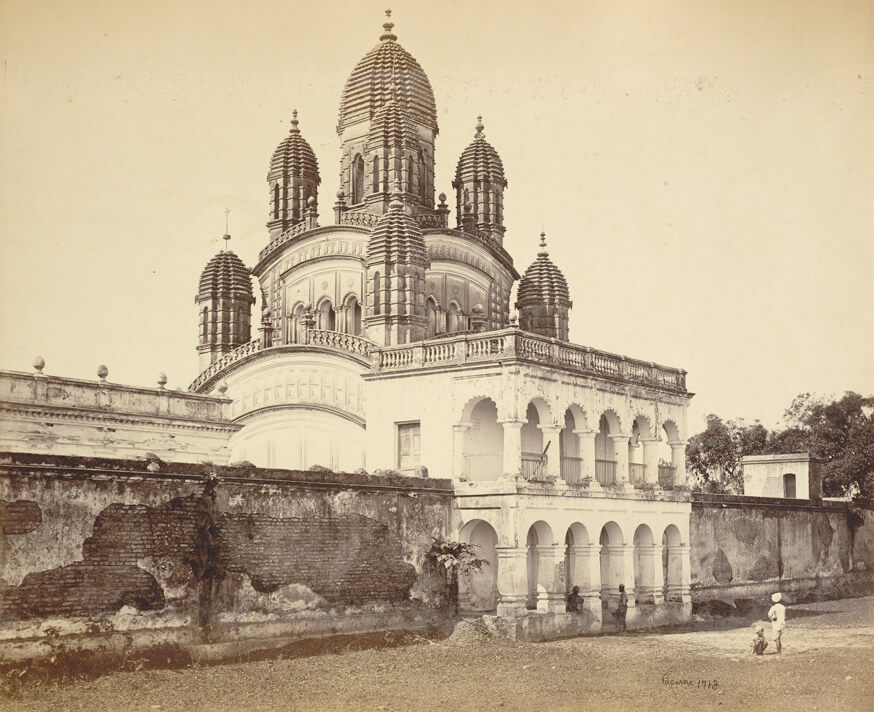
column 446, row 356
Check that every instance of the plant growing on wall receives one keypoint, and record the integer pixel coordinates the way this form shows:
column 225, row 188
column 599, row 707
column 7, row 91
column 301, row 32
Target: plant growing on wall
column 449, row 560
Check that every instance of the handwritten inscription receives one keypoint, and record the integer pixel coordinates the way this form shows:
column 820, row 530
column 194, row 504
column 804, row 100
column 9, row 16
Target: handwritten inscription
column 696, row 683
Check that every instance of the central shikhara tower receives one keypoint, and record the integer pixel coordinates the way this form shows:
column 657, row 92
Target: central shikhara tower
column 386, row 341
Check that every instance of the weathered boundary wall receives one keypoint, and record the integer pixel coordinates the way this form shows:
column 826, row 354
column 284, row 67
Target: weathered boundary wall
column 114, row 554
column 749, row 547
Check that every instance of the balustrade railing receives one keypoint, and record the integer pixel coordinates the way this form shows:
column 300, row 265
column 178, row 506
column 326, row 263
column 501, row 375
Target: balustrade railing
column 284, row 237
column 636, row 473
column 605, row 472
column 224, row 362
column 340, row 340
column 513, row 343
column 667, row 476
column 533, row 466
column 571, row 469
column 359, row 219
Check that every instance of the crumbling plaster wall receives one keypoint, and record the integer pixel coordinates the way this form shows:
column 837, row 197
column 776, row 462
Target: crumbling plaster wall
column 105, row 545
column 749, row 546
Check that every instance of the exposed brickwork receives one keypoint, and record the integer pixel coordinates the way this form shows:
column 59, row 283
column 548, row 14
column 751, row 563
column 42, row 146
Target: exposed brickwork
column 349, row 559
column 19, row 517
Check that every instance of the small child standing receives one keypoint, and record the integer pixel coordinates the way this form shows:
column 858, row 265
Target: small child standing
column 777, row 616
column 759, row 643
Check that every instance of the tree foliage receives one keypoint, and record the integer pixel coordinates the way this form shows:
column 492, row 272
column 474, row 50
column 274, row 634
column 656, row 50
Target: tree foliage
column 839, row 433
column 450, row 559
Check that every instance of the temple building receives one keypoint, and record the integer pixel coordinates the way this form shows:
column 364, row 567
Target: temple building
column 388, row 339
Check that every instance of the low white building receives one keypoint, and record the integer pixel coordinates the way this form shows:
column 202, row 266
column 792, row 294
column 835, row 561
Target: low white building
column 792, row 476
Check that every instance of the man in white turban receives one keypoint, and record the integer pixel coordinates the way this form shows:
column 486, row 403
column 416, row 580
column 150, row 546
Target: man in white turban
column 777, row 616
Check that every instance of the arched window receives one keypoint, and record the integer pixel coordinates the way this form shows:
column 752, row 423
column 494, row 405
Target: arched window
column 275, row 201
column 376, row 185
column 423, row 188
column 431, row 308
column 789, row 486
column 376, row 288
column 353, row 316
column 357, row 179
column 327, row 316
column 204, row 325
column 453, row 319
column 409, row 172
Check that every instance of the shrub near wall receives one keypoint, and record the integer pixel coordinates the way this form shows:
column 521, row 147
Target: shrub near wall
column 193, row 552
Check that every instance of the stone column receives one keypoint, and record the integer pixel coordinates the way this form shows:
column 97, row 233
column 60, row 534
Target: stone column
column 621, row 557
column 586, row 439
column 586, row 561
column 678, row 460
column 658, row 579
column 680, row 564
column 512, row 581
column 459, row 433
column 550, row 578
column 512, row 447
column 553, row 455
column 620, row 456
column 651, row 459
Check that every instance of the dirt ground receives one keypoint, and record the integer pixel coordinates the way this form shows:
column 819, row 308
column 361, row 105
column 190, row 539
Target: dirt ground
column 827, row 664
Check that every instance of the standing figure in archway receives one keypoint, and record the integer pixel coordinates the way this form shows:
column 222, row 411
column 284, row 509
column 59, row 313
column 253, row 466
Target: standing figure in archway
column 622, row 608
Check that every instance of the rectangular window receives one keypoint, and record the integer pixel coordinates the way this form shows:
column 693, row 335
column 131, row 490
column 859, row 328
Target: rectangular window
column 409, row 446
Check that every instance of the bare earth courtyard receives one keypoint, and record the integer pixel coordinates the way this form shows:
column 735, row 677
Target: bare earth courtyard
column 827, row 660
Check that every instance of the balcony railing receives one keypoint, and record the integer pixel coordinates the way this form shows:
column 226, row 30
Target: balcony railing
column 533, row 466
column 636, row 473
column 459, row 349
column 225, row 361
column 605, row 472
column 667, row 476
column 571, row 469
column 340, row 340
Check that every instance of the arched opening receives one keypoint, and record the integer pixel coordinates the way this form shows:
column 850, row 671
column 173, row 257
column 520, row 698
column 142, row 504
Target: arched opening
column 353, row 316
column 539, row 544
column 569, row 445
column 431, row 311
column 423, row 186
column 672, row 563
column 453, row 318
column 478, row 591
column 409, row 173
column 376, row 184
column 644, row 565
column 376, row 287
column 789, row 486
column 605, row 463
column 533, row 464
column 357, row 179
column 275, row 201
column 483, row 442
column 667, row 476
column 576, row 541
column 327, row 316
column 612, row 566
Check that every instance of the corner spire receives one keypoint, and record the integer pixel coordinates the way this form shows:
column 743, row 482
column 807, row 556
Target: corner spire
column 387, row 27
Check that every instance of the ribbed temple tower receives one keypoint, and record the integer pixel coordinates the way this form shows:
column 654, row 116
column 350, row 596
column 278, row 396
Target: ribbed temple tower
column 543, row 300
column 479, row 188
column 224, row 306
column 292, row 179
column 387, row 128
column 395, row 293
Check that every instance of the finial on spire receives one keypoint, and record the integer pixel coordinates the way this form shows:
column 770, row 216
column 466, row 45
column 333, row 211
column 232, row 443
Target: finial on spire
column 387, row 26
column 542, row 251
column 227, row 235
column 479, row 127
column 294, row 120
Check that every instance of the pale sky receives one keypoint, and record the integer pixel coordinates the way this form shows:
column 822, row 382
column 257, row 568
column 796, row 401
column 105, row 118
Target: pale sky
column 704, row 170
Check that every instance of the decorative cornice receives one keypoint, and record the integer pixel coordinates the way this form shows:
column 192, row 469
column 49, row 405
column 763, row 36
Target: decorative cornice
column 320, row 407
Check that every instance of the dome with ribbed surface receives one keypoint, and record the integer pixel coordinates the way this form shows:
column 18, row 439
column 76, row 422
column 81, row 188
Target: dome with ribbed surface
column 396, row 238
column 480, row 162
column 387, row 72
column 543, row 282
column 294, row 156
column 391, row 126
column 225, row 274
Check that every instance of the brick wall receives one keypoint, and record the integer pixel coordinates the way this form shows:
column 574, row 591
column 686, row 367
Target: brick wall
column 106, row 542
